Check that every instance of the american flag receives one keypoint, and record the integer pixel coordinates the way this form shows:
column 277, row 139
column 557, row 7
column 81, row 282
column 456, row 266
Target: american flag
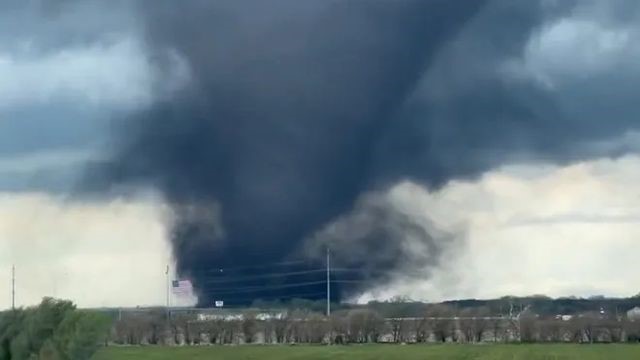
column 182, row 287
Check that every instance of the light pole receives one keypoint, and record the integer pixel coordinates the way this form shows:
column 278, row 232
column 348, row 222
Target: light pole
column 13, row 287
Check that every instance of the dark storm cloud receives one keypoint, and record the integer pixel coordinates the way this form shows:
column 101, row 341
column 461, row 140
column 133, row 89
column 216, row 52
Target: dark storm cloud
column 28, row 133
column 279, row 126
column 470, row 114
column 66, row 67
column 376, row 234
column 296, row 109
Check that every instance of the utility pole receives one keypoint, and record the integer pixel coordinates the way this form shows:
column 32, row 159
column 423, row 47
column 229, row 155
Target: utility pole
column 167, row 284
column 13, row 287
column 328, row 283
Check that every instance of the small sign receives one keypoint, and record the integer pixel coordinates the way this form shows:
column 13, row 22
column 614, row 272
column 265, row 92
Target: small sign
column 219, row 303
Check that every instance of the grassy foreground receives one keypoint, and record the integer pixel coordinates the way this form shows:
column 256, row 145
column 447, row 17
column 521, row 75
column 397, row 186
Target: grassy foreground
column 374, row 352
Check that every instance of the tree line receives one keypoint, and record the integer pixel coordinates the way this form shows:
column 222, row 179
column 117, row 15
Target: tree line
column 57, row 330
column 438, row 323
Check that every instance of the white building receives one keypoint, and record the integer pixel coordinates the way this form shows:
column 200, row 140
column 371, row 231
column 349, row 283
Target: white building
column 634, row 314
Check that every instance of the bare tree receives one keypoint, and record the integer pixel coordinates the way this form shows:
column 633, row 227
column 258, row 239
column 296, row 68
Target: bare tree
column 528, row 322
column 421, row 329
column 575, row 329
column 481, row 323
column 590, row 322
column 467, row 325
column 280, row 327
column 317, row 328
column 249, row 325
column 157, row 324
column 181, row 329
column 551, row 330
column 497, row 328
column 632, row 330
column 296, row 331
column 512, row 331
column 375, row 326
column 442, row 322
column 399, row 329
column 267, row 328
column 120, row 332
column 174, row 326
column 613, row 327
column 196, row 331
column 339, row 327
column 473, row 323
column 584, row 327
column 214, row 330
column 230, row 330
column 395, row 325
column 131, row 329
column 365, row 326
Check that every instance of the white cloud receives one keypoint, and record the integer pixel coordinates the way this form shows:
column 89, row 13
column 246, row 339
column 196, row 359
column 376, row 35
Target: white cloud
column 576, row 47
column 97, row 254
column 554, row 230
column 528, row 230
column 116, row 74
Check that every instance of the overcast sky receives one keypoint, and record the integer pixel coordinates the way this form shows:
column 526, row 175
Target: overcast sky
column 69, row 68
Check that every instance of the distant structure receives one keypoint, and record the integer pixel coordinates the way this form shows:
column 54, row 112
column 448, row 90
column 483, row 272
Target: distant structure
column 634, row 314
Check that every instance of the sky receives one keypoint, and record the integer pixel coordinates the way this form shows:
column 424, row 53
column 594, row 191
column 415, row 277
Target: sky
column 550, row 225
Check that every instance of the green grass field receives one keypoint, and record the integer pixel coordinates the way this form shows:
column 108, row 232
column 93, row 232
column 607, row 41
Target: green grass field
column 374, row 352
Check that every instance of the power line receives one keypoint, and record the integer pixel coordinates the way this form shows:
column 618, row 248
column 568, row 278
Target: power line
column 360, row 270
column 224, row 278
column 250, row 289
column 244, row 279
column 247, row 267
column 266, row 297
column 261, row 276
column 248, row 282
